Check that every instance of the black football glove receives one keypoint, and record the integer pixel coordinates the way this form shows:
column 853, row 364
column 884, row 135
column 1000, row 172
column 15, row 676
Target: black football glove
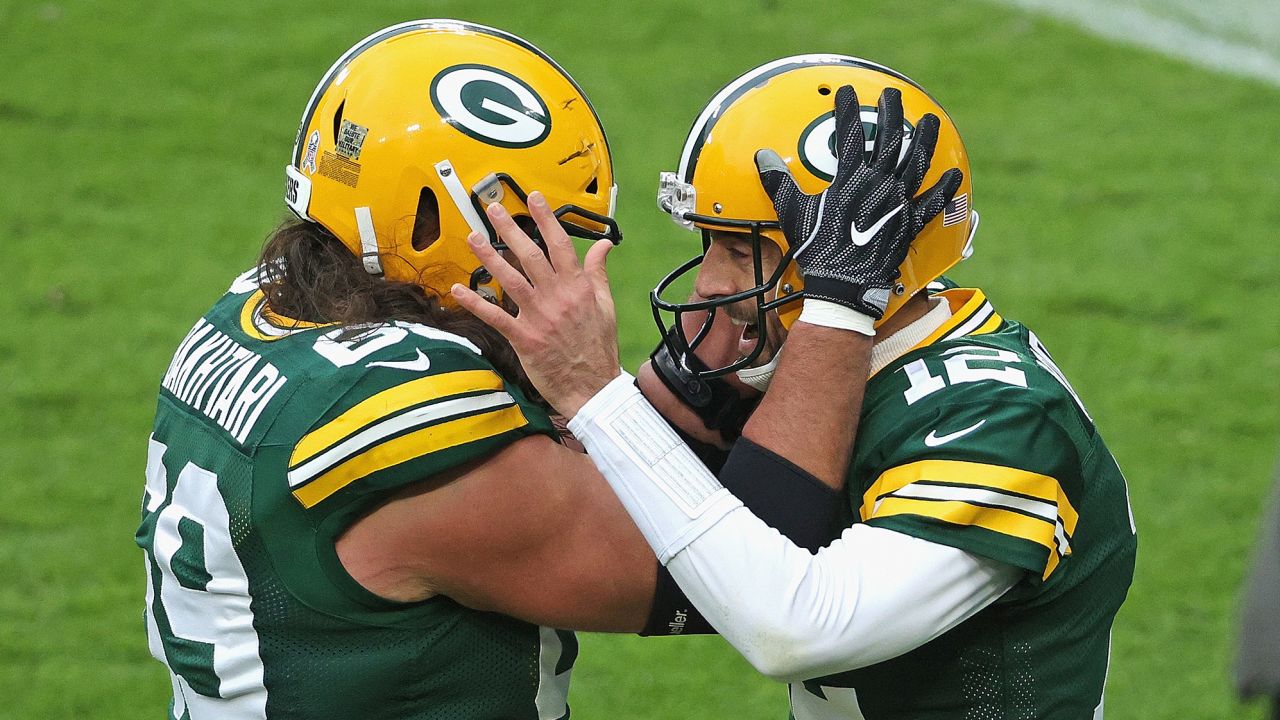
column 851, row 237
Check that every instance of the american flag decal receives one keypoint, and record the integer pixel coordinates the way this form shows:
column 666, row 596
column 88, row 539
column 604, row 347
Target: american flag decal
column 956, row 211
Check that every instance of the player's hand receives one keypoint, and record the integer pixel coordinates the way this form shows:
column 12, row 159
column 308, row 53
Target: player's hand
column 852, row 237
column 566, row 332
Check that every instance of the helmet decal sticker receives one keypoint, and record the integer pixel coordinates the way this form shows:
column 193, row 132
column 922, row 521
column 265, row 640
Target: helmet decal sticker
column 313, row 146
column 817, row 148
column 956, row 211
column 351, row 139
column 491, row 106
column 339, row 169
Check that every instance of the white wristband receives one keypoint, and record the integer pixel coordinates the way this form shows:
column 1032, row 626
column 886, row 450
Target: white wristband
column 835, row 315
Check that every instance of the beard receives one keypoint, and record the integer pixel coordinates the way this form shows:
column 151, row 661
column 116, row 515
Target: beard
column 772, row 334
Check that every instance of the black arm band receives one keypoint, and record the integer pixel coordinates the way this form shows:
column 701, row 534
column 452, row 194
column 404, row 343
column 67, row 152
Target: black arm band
column 672, row 613
column 785, row 497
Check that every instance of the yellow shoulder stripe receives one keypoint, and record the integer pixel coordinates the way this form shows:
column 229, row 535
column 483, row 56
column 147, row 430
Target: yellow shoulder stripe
column 996, row 477
column 406, row 447
column 389, row 402
column 990, row 325
column 962, row 513
column 964, row 302
column 1032, row 507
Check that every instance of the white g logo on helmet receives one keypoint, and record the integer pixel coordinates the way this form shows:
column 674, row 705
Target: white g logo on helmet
column 491, row 106
column 818, row 147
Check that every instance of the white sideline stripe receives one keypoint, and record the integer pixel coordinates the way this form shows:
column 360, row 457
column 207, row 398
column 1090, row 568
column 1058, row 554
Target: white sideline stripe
column 377, row 433
column 1122, row 20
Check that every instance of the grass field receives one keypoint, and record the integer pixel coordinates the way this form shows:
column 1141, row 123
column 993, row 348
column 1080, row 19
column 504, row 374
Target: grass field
column 1129, row 207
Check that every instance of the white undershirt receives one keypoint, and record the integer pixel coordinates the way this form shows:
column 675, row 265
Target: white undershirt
column 885, row 350
column 890, row 348
column 869, row 596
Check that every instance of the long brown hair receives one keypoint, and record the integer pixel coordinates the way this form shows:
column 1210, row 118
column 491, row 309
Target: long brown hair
column 308, row 274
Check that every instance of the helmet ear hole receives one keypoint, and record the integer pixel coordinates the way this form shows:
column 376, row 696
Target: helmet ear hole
column 426, row 224
column 530, row 228
column 337, row 120
column 593, row 186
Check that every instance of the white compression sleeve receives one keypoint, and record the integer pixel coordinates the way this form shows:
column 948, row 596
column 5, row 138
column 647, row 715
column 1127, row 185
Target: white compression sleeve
column 871, row 595
column 668, row 492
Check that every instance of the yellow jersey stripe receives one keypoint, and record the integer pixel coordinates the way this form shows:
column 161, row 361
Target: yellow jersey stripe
column 392, row 426
column 406, row 447
column 258, row 322
column 965, row 303
column 1005, row 522
column 997, row 477
column 990, row 325
column 1052, row 565
column 389, row 402
column 961, row 513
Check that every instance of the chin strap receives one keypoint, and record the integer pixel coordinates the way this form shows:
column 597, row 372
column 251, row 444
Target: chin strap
column 368, row 241
column 713, row 400
column 758, row 378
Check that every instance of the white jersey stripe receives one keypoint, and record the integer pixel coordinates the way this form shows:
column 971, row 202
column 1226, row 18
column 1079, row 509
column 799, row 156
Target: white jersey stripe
column 916, row 491
column 375, row 434
column 973, row 323
column 552, row 700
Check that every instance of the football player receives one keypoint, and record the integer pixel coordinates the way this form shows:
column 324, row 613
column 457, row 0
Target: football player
column 346, row 473
column 989, row 541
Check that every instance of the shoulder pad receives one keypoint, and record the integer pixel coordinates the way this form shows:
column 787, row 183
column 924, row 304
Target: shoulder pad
column 414, row 402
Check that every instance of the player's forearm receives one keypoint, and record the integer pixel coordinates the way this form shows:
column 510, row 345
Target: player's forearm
column 671, row 408
column 870, row 596
column 804, row 615
column 816, row 435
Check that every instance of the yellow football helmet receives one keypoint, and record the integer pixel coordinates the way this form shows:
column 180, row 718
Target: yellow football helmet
column 441, row 118
column 788, row 106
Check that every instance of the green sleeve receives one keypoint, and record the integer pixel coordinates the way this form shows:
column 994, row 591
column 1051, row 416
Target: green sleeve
column 992, row 476
column 396, row 425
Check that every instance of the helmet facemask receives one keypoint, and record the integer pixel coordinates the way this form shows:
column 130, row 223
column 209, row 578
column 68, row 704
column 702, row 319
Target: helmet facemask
column 678, row 340
column 577, row 221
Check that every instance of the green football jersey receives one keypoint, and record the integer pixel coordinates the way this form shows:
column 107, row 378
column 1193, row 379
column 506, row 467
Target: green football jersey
column 975, row 440
column 271, row 437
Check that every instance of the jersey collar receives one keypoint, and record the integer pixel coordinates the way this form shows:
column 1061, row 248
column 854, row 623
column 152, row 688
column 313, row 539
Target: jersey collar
column 260, row 323
column 970, row 314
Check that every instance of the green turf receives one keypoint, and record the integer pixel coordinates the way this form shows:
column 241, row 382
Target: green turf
column 1128, row 206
